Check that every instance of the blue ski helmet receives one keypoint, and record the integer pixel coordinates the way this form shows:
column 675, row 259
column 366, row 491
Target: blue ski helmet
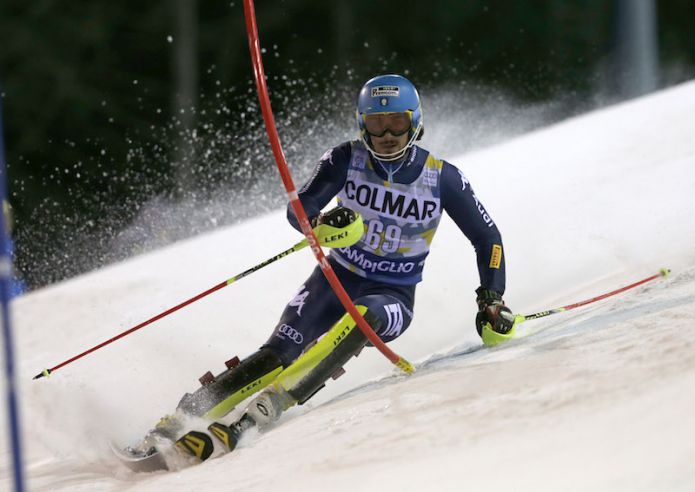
column 390, row 94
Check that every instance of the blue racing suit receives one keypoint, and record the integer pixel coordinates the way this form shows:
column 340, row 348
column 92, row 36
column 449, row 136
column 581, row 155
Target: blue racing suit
column 401, row 205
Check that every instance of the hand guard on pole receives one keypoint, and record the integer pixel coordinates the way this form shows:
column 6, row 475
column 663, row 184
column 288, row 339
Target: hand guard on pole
column 492, row 311
column 336, row 217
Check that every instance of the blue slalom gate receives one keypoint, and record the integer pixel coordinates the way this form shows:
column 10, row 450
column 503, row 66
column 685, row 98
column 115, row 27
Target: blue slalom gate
column 5, row 285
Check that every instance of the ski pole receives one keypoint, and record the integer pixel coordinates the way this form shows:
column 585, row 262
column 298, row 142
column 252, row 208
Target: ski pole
column 520, row 318
column 332, row 237
column 300, row 245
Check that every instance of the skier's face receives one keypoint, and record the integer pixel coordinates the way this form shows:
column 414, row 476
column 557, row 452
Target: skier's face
column 388, row 131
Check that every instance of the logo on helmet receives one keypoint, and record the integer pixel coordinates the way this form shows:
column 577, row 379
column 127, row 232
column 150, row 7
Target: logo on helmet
column 386, row 90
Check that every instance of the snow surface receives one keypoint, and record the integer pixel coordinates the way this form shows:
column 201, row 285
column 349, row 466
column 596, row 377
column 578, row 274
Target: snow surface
column 599, row 398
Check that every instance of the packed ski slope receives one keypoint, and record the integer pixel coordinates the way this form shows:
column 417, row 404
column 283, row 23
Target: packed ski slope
column 600, row 398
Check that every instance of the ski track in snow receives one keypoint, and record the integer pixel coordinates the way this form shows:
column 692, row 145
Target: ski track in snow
column 598, row 398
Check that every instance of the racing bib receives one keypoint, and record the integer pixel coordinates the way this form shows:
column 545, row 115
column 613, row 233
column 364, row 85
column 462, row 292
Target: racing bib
column 400, row 220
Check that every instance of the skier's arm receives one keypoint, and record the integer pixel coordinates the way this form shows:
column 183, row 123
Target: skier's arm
column 325, row 182
column 460, row 202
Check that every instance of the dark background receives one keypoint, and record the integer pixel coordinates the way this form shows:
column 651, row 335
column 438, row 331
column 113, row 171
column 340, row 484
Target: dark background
column 131, row 124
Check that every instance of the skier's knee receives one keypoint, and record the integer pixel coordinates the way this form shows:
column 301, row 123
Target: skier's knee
column 324, row 359
column 388, row 316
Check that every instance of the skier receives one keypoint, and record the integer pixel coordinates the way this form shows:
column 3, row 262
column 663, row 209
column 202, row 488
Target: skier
column 400, row 190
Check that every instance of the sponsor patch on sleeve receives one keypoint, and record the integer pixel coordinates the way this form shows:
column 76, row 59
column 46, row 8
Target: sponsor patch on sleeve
column 496, row 256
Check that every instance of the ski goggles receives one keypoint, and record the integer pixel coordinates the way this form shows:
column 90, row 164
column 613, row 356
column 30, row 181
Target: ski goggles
column 377, row 124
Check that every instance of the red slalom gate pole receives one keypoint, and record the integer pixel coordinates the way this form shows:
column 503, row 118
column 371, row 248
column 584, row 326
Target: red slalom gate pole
column 283, row 168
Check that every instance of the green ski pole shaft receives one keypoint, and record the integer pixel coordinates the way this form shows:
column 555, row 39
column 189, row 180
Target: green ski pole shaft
column 300, row 245
column 520, row 318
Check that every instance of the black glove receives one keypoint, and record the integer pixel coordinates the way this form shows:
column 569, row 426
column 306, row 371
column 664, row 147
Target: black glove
column 491, row 309
column 335, row 217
